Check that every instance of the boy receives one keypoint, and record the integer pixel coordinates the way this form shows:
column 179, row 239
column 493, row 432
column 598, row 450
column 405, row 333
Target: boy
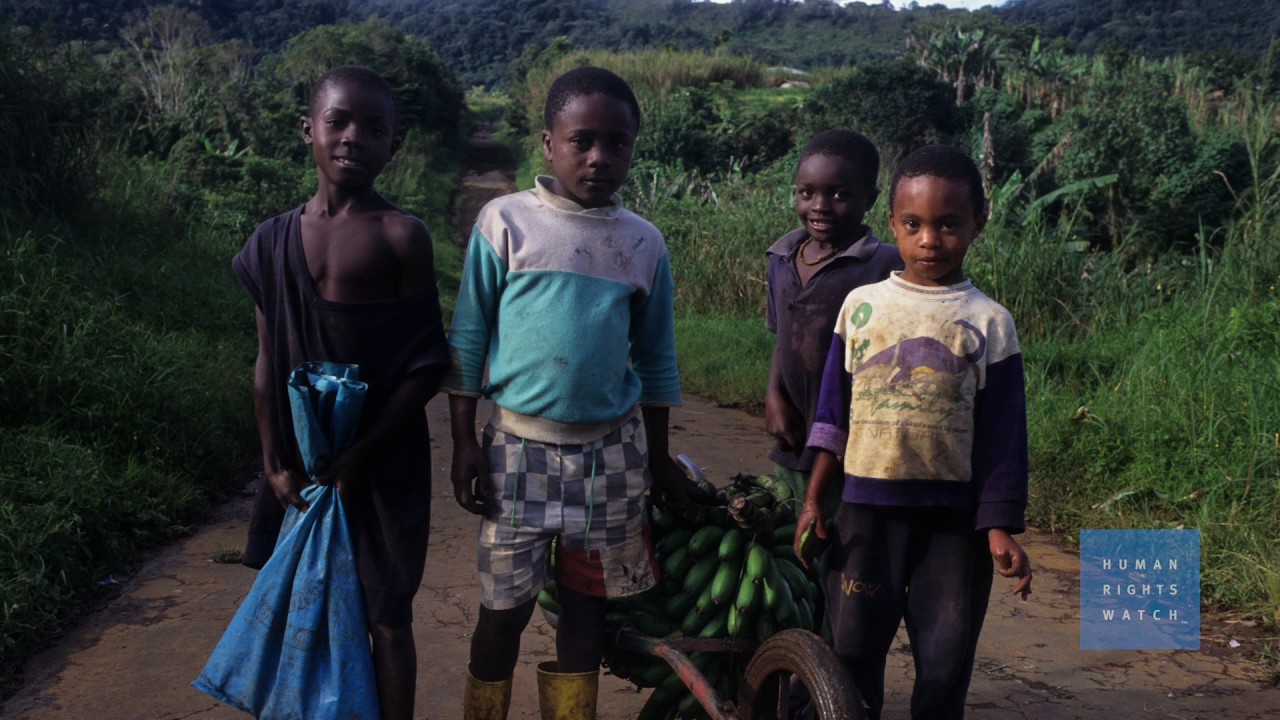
column 923, row 399
column 348, row 277
column 567, row 297
column 811, row 269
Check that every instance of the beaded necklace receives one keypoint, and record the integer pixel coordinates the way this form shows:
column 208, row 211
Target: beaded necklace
column 819, row 261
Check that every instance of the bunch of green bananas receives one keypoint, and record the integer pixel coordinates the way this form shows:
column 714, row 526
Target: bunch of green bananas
column 727, row 571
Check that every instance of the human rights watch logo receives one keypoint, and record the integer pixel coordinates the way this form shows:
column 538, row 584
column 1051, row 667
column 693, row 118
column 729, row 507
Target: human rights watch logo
column 1140, row 589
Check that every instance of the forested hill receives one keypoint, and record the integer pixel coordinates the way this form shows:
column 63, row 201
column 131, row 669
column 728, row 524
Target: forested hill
column 1154, row 28
column 264, row 24
column 479, row 39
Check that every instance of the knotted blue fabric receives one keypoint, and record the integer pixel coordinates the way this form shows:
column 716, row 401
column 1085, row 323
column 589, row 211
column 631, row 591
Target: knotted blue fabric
column 298, row 647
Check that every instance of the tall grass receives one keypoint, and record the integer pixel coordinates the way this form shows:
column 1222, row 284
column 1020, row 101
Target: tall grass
column 657, row 71
column 717, row 230
column 721, row 269
column 126, row 348
column 1153, row 384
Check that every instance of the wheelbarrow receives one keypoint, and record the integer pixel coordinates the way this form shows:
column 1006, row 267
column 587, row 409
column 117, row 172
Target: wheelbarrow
column 766, row 690
column 728, row 629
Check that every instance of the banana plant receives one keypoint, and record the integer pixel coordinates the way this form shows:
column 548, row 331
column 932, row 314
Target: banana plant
column 1014, row 204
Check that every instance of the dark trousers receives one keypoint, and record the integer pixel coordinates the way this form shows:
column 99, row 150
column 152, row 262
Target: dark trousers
column 924, row 565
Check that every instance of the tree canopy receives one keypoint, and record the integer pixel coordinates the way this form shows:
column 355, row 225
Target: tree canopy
column 479, row 39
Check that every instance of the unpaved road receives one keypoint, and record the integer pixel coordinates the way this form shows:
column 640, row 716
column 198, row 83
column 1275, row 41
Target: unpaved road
column 136, row 657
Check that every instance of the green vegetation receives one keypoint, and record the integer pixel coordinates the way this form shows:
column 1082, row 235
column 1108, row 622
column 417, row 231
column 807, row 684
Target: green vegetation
column 480, row 39
column 1132, row 236
column 1151, row 28
column 127, row 344
column 816, row 33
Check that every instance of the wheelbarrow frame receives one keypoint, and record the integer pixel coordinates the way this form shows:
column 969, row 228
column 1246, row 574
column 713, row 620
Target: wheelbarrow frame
column 772, row 663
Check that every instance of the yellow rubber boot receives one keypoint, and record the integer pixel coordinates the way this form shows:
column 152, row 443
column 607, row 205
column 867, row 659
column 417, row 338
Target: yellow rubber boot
column 486, row 700
column 567, row 696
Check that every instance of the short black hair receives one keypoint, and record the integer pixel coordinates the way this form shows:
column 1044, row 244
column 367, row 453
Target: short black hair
column 583, row 82
column 353, row 75
column 947, row 162
column 852, row 147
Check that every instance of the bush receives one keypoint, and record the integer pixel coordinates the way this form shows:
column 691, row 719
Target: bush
column 51, row 99
column 126, row 413
column 679, row 131
column 898, row 104
column 427, row 96
column 1013, row 133
column 1132, row 124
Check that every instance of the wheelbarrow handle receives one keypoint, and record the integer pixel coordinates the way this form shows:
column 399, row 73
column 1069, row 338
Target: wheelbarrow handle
column 672, row 652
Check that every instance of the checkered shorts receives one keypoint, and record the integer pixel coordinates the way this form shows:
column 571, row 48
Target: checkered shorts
column 591, row 496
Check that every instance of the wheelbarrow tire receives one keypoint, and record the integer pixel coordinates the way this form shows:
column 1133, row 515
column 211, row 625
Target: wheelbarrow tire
column 804, row 655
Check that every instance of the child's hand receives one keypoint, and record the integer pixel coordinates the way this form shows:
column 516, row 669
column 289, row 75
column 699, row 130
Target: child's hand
column 810, row 521
column 671, row 480
column 470, row 475
column 287, row 486
column 345, row 472
column 782, row 423
column 1011, row 559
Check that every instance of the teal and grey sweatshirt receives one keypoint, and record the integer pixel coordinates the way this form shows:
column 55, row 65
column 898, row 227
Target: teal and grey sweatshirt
column 572, row 310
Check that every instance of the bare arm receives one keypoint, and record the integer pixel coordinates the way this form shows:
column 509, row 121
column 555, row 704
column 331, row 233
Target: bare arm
column 780, row 418
column 408, row 398
column 826, row 469
column 666, row 473
column 284, row 481
column 470, row 472
column 413, row 249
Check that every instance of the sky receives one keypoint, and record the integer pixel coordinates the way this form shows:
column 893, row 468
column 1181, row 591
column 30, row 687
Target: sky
column 966, row 4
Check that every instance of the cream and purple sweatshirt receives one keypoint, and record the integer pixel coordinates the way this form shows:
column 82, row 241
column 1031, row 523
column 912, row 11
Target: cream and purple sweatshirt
column 923, row 398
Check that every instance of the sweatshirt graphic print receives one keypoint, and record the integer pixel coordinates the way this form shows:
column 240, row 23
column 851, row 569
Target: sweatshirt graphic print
column 923, row 398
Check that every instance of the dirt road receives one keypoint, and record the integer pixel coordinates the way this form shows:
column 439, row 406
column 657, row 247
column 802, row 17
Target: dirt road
column 136, row 657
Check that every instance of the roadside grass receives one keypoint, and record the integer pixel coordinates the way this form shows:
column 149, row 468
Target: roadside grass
column 128, row 349
column 127, row 390
column 717, row 230
column 1169, row 424
column 726, row 358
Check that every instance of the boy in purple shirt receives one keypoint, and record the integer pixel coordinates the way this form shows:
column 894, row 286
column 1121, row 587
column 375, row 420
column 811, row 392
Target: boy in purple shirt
column 922, row 421
column 811, row 269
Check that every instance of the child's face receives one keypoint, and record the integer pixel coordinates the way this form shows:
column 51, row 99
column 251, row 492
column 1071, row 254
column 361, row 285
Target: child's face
column 351, row 131
column 831, row 200
column 934, row 223
column 589, row 148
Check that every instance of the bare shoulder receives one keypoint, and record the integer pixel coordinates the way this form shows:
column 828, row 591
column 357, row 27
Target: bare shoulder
column 410, row 241
column 405, row 233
